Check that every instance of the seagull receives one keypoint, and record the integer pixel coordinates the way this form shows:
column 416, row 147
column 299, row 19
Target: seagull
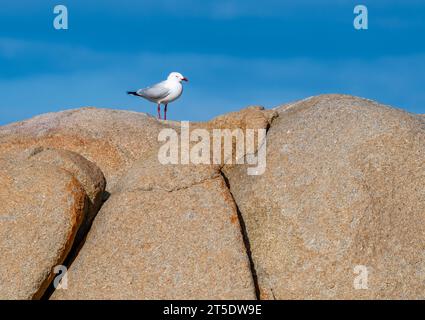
column 163, row 92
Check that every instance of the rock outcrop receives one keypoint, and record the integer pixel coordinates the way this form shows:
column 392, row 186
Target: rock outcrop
column 342, row 200
column 167, row 232
column 337, row 214
column 46, row 196
column 177, row 230
column 86, row 172
column 110, row 138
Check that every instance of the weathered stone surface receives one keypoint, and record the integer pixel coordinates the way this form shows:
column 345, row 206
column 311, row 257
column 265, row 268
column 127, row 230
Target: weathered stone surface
column 86, row 172
column 253, row 117
column 167, row 232
column 42, row 208
column 344, row 186
column 111, row 139
column 48, row 198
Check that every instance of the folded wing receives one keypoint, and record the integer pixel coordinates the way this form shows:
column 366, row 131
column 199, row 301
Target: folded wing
column 155, row 93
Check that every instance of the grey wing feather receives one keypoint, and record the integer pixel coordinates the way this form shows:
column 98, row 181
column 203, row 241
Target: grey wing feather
column 157, row 91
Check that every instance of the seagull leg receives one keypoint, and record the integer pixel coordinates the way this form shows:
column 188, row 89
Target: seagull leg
column 165, row 111
column 159, row 111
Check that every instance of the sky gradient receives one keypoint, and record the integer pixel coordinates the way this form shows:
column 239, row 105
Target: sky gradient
column 235, row 53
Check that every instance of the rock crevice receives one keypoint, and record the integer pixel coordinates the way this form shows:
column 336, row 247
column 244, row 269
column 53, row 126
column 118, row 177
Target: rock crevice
column 247, row 244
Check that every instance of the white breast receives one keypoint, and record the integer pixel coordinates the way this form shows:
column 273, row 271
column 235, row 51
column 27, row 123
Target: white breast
column 176, row 90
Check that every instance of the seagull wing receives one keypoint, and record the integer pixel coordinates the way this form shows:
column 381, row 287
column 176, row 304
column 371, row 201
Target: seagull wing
column 156, row 92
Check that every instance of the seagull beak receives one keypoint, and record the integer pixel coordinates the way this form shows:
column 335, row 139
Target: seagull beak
column 185, row 79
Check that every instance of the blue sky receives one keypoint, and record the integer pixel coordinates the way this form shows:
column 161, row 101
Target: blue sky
column 235, row 53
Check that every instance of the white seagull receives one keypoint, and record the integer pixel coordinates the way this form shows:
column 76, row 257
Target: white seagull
column 164, row 92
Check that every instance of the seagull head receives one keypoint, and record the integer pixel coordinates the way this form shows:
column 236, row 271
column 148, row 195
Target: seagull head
column 176, row 77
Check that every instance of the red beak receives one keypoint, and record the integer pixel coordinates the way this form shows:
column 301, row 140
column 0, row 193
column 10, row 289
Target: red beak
column 185, row 79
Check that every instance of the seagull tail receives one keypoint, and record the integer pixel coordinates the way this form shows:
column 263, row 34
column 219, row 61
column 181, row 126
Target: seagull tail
column 133, row 93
